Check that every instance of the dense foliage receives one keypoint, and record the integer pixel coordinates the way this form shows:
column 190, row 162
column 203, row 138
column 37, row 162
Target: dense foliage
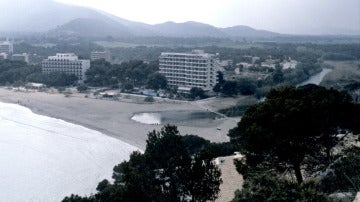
column 18, row 73
column 233, row 88
column 197, row 93
column 55, row 79
column 295, row 128
column 156, row 81
column 264, row 187
column 132, row 73
column 303, row 132
column 15, row 72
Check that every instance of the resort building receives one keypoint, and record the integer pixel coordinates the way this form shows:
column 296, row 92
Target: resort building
column 3, row 56
column 67, row 63
column 6, row 47
column 21, row 57
column 188, row 70
column 96, row 55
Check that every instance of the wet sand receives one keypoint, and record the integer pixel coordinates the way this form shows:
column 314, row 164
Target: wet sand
column 114, row 117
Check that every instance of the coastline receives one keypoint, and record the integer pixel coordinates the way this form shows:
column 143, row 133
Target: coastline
column 113, row 118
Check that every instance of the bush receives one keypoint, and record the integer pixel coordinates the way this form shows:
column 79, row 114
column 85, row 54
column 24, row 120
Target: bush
column 264, row 187
column 82, row 88
column 149, row 99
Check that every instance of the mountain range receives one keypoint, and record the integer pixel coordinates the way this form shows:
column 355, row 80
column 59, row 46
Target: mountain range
column 60, row 19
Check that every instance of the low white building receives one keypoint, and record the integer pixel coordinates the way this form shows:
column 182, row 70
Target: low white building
column 67, row 63
column 21, row 57
column 289, row 64
column 3, row 56
column 98, row 55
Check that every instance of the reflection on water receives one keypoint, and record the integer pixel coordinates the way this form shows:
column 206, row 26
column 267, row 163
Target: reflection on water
column 147, row 118
column 172, row 117
column 317, row 78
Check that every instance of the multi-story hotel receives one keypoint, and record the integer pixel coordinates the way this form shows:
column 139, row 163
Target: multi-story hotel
column 67, row 63
column 6, row 47
column 188, row 70
column 97, row 55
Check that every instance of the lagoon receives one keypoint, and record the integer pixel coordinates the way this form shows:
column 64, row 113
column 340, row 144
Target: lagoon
column 174, row 117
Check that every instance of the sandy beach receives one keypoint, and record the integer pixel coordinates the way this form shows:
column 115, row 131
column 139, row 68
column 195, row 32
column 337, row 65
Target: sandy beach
column 114, row 117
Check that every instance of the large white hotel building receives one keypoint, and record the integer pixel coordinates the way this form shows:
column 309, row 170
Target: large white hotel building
column 68, row 63
column 188, row 70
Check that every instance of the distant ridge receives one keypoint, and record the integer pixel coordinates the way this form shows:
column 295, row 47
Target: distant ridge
column 90, row 27
column 245, row 31
column 188, row 29
column 111, row 26
column 57, row 19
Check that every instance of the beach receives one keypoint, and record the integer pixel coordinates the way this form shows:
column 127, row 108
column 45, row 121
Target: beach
column 113, row 118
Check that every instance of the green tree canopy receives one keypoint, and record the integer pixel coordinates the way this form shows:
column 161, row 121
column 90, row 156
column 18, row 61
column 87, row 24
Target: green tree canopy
column 157, row 81
column 229, row 88
column 294, row 127
column 196, row 92
column 134, row 72
column 264, row 187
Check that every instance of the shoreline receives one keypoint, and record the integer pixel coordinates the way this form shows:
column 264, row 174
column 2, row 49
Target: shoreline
column 113, row 118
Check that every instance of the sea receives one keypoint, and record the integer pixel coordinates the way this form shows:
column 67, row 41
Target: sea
column 46, row 159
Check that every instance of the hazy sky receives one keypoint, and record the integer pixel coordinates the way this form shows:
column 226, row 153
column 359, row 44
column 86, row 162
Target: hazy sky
column 284, row 16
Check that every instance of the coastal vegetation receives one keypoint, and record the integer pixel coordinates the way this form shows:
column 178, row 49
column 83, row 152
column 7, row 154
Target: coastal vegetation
column 19, row 73
column 299, row 144
column 298, row 132
column 128, row 74
column 170, row 169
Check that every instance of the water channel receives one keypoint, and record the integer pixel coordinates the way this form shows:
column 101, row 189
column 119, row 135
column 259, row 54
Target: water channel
column 317, row 78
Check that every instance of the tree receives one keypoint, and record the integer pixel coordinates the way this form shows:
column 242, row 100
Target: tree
column 220, row 77
column 246, row 87
column 264, row 187
column 278, row 76
column 135, row 72
column 229, row 88
column 295, row 126
column 165, row 172
column 97, row 74
column 82, row 88
column 59, row 79
column 157, row 81
column 217, row 88
column 196, row 92
column 180, row 176
column 149, row 99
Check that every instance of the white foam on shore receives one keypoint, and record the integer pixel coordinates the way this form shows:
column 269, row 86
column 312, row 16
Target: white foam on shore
column 46, row 159
column 147, row 118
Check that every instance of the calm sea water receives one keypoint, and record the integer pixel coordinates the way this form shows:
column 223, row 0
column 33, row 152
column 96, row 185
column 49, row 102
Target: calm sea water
column 46, row 159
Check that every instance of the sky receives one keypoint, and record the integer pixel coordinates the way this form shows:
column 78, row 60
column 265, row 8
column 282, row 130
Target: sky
column 283, row 16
